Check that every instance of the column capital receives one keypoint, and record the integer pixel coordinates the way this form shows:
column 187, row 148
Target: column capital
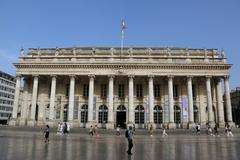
column 72, row 75
column 18, row 76
column 226, row 77
column 91, row 76
column 208, row 76
column 53, row 75
column 170, row 76
column 189, row 76
column 111, row 76
column 150, row 76
column 35, row 75
column 131, row 76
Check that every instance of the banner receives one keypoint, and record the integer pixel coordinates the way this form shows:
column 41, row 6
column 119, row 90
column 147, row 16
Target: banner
column 147, row 110
column 185, row 108
column 166, row 110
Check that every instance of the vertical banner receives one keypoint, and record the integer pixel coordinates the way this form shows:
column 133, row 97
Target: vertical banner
column 147, row 110
column 185, row 108
column 94, row 107
column 166, row 109
column 114, row 112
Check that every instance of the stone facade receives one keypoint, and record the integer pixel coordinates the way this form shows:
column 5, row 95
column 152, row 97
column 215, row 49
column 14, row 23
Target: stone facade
column 133, row 86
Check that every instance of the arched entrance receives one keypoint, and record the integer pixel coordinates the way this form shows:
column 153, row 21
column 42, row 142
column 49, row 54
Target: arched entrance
column 121, row 116
column 139, row 116
column 177, row 116
column 84, row 114
column 65, row 113
column 158, row 116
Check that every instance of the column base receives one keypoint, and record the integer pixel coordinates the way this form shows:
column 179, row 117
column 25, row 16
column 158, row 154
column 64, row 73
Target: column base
column 171, row 125
column 40, row 123
column 75, row 124
column 212, row 124
column 51, row 123
column 231, row 124
column 13, row 122
column 110, row 125
column 191, row 125
column 130, row 124
column 31, row 123
column 184, row 125
column 22, row 122
column 221, row 124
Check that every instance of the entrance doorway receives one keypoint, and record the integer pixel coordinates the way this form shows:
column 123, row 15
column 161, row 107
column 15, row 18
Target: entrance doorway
column 121, row 116
column 65, row 113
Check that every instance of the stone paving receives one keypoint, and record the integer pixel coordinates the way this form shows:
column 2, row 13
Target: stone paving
column 29, row 145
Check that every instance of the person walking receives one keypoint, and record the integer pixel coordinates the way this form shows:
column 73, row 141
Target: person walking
column 164, row 131
column 151, row 130
column 229, row 131
column 47, row 132
column 129, row 136
column 216, row 130
column 118, row 130
column 91, row 131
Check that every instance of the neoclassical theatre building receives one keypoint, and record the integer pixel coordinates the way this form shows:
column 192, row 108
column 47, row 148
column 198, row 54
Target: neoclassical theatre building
column 176, row 87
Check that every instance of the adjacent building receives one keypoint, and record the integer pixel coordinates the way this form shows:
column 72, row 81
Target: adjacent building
column 176, row 87
column 235, row 99
column 7, row 89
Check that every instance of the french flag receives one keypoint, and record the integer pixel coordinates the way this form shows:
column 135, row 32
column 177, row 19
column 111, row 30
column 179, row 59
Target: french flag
column 123, row 25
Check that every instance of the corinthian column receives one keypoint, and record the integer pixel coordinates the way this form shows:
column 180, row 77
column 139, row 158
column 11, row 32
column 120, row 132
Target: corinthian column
column 52, row 99
column 151, row 99
column 31, row 122
column 110, row 123
column 209, row 101
column 13, row 121
column 130, row 101
column 190, row 102
column 220, row 104
column 25, row 104
column 71, row 99
column 171, row 123
column 228, row 100
column 90, row 100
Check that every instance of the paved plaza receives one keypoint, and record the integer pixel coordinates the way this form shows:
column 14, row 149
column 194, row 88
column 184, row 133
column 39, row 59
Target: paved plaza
column 29, row 145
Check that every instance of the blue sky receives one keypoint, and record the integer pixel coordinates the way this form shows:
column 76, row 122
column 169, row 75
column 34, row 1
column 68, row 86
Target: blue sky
column 158, row 23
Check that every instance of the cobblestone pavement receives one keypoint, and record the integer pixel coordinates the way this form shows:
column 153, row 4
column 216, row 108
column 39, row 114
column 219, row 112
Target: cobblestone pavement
column 27, row 145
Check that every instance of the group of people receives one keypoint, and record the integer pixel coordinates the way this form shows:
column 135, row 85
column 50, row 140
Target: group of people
column 93, row 130
column 63, row 128
column 215, row 131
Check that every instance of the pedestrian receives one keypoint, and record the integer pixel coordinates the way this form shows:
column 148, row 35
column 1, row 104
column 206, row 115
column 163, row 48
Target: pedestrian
column 151, row 130
column 210, row 130
column 65, row 131
column 118, row 130
column 164, row 131
column 216, row 130
column 59, row 129
column 95, row 130
column 229, row 131
column 91, row 130
column 129, row 136
column 47, row 132
column 198, row 128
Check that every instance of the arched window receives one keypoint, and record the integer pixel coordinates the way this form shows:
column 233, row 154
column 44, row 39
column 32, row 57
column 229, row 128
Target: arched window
column 103, row 114
column 196, row 114
column 177, row 114
column 158, row 114
column 139, row 114
column 84, row 113
column 121, row 108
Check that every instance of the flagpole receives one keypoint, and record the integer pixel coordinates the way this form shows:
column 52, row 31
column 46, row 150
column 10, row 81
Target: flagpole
column 122, row 37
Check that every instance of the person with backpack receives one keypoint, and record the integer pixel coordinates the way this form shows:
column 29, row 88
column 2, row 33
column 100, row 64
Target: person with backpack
column 129, row 136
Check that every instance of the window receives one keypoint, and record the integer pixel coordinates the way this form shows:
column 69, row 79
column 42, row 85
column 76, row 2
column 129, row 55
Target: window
column 195, row 109
column 84, row 113
column 121, row 90
column 103, row 114
column 194, row 91
column 103, row 90
column 158, row 115
column 139, row 90
column 175, row 91
column 85, row 90
column 139, row 115
column 177, row 114
column 67, row 90
column 157, row 90
column 75, row 112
